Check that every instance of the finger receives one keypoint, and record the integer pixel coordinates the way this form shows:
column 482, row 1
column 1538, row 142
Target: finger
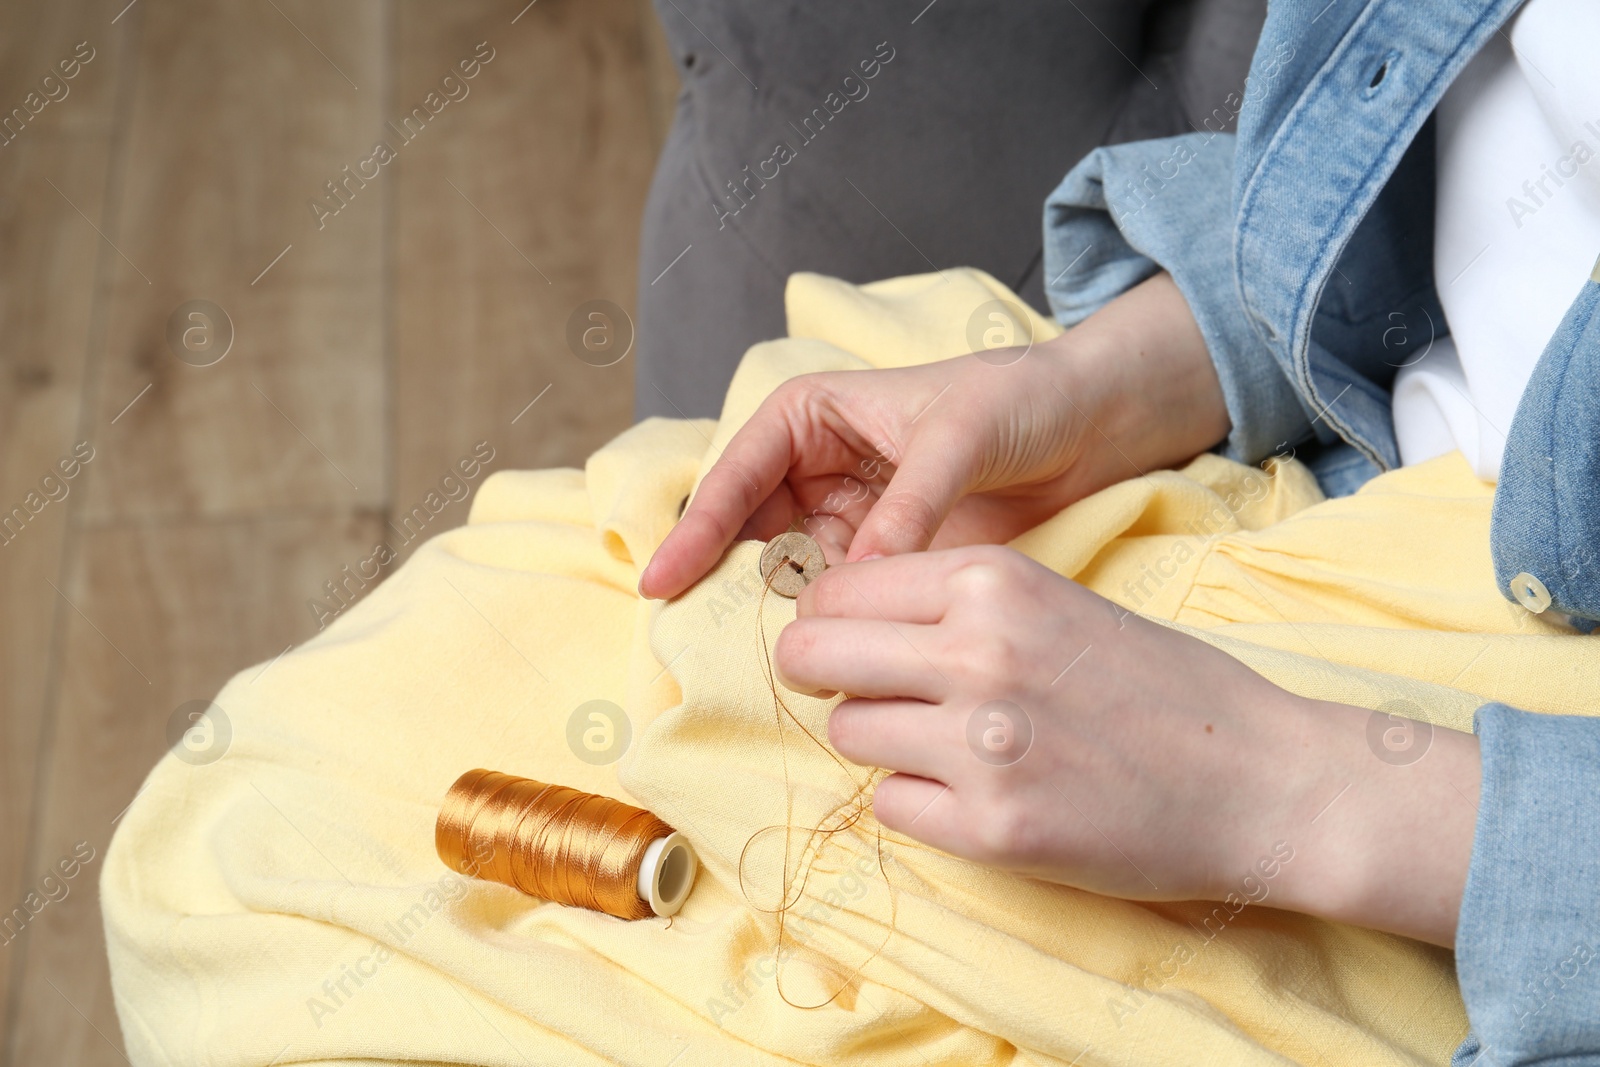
column 859, row 657
column 832, row 533
column 926, row 485
column 910, row 588
column 908, row 736
column 751, row 467
column 831, row 530
column 831, row 506
column 934, row 813
column 923, row 808
column 772, row 517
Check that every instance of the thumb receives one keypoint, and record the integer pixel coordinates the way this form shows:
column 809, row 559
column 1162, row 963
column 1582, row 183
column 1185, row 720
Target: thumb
column 913, row 505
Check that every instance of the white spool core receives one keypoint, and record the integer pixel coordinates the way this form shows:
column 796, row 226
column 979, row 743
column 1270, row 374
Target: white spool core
column 667, row 873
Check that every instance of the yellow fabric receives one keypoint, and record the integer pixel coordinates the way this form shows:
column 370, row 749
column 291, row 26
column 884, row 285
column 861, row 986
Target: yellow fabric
column 284, row 904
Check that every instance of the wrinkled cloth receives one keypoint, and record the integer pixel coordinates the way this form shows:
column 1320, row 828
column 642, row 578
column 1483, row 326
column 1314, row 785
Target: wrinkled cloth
column 284, row 904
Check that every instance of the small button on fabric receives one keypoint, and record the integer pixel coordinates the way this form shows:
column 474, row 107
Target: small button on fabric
column 790, row 562
column 1530, row 592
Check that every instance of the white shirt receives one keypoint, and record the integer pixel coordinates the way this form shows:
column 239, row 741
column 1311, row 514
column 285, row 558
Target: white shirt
column 1517, row 229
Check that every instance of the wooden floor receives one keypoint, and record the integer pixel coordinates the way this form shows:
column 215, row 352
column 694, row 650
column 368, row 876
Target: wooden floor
column 371, row 349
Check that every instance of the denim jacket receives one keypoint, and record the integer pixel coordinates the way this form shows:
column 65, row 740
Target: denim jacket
column 1302, row 244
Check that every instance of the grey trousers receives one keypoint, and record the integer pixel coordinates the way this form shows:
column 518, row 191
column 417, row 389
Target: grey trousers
column 865, row 140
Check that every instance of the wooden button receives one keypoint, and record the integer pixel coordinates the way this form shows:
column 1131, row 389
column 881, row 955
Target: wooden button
column 790, row 562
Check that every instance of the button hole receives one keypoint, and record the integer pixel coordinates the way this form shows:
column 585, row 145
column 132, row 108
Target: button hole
column 1381, row 74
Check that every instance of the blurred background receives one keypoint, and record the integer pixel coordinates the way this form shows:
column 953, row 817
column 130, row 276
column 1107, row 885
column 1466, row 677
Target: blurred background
column 248, row 390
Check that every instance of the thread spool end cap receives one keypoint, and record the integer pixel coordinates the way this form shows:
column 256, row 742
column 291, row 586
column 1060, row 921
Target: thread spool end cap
column 667, row 873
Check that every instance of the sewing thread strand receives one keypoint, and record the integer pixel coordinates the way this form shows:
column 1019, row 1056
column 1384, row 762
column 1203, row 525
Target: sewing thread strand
column 857, row 801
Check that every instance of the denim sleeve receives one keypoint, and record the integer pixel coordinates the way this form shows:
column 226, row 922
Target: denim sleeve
column 1127, row 211
column 1528, row 940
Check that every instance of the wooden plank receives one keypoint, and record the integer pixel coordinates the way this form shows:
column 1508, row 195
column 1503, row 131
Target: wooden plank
column 223, row 496
column 40, row 41
column 161, row 614
column 242, row 112
column 47, row 278
column 520, row 203
column 238, row 113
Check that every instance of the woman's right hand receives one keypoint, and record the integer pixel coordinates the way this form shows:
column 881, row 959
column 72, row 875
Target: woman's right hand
column 964, row 451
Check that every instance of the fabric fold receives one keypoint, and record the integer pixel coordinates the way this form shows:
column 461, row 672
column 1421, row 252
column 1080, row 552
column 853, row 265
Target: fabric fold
column 284, row 904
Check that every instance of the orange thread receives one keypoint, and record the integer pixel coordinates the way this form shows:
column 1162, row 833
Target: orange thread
column 857, row 801
column 549, row 841
column 576, row 848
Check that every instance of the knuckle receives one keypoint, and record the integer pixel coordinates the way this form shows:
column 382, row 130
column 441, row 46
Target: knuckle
column 796, row 396
column 987, row 573
column 990, row 655
column 790, row 391
column 726, row 482
column 1004, row 832
column 721, row 531
column 994, row 555
column 904, row 511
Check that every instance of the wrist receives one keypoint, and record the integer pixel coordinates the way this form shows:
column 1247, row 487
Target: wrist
column 1139, row 371
column 1383, row 836
column 1272, row 786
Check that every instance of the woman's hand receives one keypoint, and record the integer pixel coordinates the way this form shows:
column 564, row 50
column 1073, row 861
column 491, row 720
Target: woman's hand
column 965, row 451
column 1038, row 727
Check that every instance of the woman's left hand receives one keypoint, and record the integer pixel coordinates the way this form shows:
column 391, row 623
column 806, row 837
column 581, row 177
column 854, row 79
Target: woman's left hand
column 1038, row 727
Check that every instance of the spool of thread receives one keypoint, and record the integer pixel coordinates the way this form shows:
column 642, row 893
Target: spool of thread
column 564, row 845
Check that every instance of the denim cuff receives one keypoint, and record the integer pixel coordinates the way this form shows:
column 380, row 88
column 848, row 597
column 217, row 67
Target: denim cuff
column 1528, row 939
column 1127, row 211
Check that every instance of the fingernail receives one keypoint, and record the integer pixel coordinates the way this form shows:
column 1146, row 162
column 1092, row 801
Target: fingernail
column 869, row 557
